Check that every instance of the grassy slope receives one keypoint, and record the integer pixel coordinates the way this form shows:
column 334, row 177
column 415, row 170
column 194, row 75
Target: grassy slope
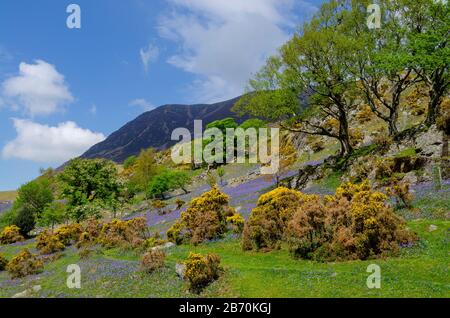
column 8, row 195
column 421, row 271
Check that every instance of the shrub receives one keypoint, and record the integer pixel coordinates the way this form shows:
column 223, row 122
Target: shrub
column 306, row 231
column 3, row 263
column 11, row 234
column 68, row 234
column 364, row 115
column 92, row 227
column 267, row 222
column 356, row 136
column 124, row 234
column 383, row 141
column 154, row 240
column 159, row 206
column 237, row 222
column 202, row 270
column 384, row 168
column 401, row 194
column 152, row 260
column 24, row 264
column 49, row 243
column 355, row 223
column 204, row 219
column 179, row 203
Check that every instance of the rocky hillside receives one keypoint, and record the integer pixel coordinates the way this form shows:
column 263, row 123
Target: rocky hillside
column 154, row 129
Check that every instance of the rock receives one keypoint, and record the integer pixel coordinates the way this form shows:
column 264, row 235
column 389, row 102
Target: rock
column 24, row 294
column 180, row 270
column 430, row 142
column 28, row 293
column 163, row 247
column 432, row 228
column 410, row 178
column 37, row 288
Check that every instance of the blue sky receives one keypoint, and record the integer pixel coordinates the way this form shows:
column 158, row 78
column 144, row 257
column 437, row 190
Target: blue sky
column 63, row 90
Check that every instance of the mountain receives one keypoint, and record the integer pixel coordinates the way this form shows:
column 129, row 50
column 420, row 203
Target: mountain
column 154, row 129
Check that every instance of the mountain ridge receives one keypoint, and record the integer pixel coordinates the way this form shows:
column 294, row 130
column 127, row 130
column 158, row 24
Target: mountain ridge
column 153, row 129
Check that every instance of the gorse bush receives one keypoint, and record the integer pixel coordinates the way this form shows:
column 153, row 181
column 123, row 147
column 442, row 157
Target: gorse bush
column 3, row 262
column 69, row 234
column 125, row 234
column 11, row 234
column 237, row 223
column 152, row 260
column 202, row 271
column 355, row 223
column 267, row 222
column 49, row 243
column 24, row 264
column 400, row 192
column 205, row 218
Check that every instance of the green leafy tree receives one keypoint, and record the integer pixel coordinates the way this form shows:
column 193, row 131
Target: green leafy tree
column 145, row 168
column 168, row 180
column 253, row 123
column 55, row 213
column 428, row 23
column 31, row 201
column 223, row 124
column 86, row 182
column 311, row 68
column 129, row 162
column 381, row 60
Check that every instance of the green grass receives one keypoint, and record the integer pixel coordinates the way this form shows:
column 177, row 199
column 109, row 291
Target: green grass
column 8, row 195
column 421, row 271
column 332, row 181
column 409, row 152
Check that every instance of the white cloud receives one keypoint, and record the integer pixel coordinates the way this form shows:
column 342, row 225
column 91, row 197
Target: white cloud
column 142, row 104
column 38, row 89
column 149, row 55
column 224, row 42
column 47, row 144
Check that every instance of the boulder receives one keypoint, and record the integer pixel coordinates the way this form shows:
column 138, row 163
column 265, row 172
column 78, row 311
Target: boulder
column 163, row 247
column 180, row 269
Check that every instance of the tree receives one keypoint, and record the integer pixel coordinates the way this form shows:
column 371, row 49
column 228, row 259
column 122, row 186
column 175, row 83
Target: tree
column 381, row 62
column 428, row 24
column 310, row 68
column 158, row 186
column 129, row 162
column 90, row 182
column 31, row 201
column 223, row 124
column 168, row 180
column 145, row 168
column 54, row 213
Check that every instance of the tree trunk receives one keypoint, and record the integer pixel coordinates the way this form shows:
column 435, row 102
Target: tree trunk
column 433, row 105
column 344, row 136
